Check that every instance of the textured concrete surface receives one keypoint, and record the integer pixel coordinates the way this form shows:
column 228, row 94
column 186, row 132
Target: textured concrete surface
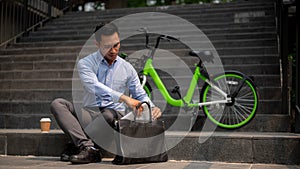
column 32, row 162
column 237, row 147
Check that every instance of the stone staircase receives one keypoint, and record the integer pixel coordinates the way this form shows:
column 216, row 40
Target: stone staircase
column 40, row 67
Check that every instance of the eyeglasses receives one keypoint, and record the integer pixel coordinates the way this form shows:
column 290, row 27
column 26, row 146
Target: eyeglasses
column 108, row 47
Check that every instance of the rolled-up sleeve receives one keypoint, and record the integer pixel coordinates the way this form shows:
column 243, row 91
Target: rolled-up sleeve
column 91, row 84
column 135, row 87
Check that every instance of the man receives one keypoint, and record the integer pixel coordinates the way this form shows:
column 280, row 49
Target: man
column 105, row 77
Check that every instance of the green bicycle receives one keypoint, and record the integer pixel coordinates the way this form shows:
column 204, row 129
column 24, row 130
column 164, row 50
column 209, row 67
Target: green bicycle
column 229, row 100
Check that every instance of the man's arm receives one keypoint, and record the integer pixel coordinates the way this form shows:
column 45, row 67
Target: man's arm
column 135, row 87
column 138, row 93
column 156, row 112
column 130, row 102
column 92, row 85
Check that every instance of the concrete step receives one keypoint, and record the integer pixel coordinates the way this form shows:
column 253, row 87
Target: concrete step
column 25, row 121
column 266, row 92
column 39, row 65
column 56, row 75
column 162, row 58
column 36, row 74
column 257, row 11
column 213, row 37
column 229, row 18
column 217, row 43
column 186, row 13
column 178, row 10
column 37, row 90
column 35, row 78
column 24, row 114
column 35, row 94
column 183, row 13
column 244, row 35
column 63, row 83
column 14, row 162
column 239, row 15
column 236, row 51
column 225, row 59
column 248, row 69
column 44, row 50
column 27, row 107
column 127, row 46
column 67, row 56
column 189, row 60
column 265, row 107
column 264, row 50
column 141, row 40
column 260, row 123
column 261, row 81
column 246, row 147
column 226, row 25
column 236, row 145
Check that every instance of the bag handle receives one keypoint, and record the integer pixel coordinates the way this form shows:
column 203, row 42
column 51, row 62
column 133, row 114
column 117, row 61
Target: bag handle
column 149, row 107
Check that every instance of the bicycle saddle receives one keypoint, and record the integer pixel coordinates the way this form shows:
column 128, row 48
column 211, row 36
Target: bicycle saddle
column 203, row 55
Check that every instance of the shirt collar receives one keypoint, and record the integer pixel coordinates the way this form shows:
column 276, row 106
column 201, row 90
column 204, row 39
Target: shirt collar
column 101, row 58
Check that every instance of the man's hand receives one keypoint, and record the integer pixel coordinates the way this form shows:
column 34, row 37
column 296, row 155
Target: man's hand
column 156, row 113
column 132, row 103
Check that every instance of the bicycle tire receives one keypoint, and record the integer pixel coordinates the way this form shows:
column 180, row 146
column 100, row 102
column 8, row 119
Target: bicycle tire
column 238, row 113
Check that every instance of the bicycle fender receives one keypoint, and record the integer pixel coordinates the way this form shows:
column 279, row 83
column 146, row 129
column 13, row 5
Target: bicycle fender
column 226, row 72
column 249, row 78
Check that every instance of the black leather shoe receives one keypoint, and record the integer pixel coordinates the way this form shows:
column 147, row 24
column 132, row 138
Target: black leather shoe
column 70, row 150
column 86, row 155
column 117, row 160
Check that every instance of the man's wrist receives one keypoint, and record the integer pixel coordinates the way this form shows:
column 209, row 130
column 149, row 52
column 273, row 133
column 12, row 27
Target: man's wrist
column 123, row 98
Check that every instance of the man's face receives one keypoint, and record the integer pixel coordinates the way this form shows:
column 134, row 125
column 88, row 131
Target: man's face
column 109, row 47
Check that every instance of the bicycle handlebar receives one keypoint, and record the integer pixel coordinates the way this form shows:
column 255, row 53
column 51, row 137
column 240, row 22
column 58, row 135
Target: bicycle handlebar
column 165, row 37
column 203, row 55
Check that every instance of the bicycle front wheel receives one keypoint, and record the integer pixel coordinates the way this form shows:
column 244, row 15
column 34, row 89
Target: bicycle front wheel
column 244, row 102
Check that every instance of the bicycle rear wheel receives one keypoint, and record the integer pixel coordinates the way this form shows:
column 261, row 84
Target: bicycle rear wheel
column 243, row 106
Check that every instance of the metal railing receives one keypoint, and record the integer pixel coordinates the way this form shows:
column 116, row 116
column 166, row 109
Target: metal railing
column 282, row 30
column 283, row 34
column 18, row 17
column 297, row 120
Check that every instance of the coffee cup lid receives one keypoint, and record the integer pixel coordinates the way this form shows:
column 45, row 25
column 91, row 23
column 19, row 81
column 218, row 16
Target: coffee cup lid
column 45, row 120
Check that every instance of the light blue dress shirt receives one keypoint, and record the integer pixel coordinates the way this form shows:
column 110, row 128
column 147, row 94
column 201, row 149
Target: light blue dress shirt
column 104, row 84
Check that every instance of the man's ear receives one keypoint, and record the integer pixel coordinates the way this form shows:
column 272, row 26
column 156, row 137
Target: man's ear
column 97, row 44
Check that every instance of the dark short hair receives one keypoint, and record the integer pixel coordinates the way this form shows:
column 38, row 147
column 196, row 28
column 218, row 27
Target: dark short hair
column 105, row 29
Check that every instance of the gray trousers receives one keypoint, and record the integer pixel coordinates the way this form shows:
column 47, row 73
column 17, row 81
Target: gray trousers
column 66, row 118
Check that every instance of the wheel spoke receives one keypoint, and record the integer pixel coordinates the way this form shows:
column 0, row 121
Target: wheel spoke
column 243, row 108
column 215, row 93
column 244, row 104
column 217, row 115
column 249, row 106
column 245, row 99
column 237, row 115
column 245, row 95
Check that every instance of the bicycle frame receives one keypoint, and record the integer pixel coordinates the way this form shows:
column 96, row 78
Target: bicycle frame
column 241, row 110
column 149, row 70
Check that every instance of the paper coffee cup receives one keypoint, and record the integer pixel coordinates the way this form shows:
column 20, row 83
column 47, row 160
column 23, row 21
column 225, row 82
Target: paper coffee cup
column 45, row 125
